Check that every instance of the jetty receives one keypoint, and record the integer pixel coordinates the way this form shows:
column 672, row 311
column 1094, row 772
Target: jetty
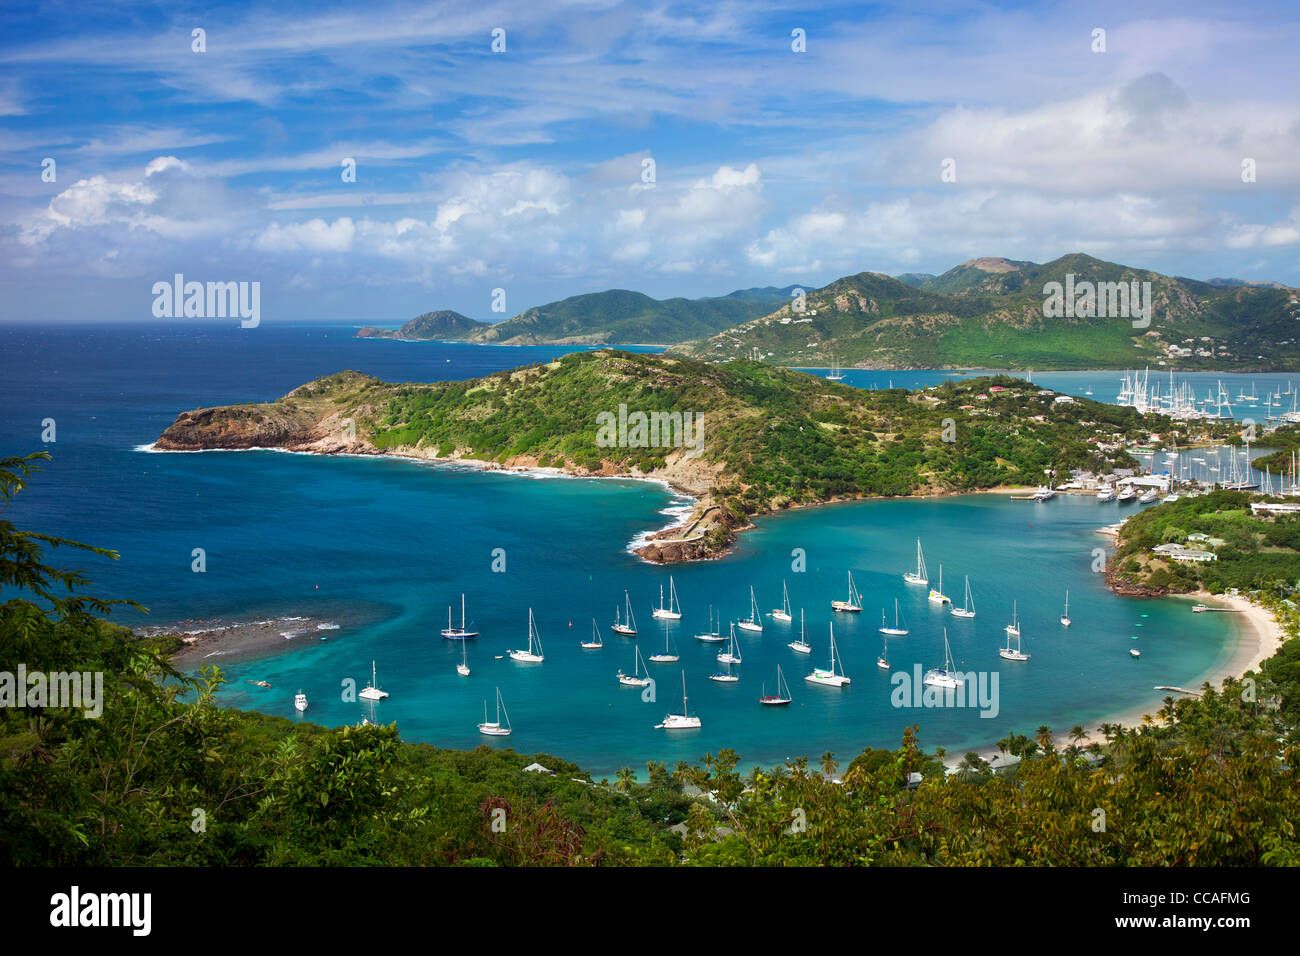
column 1223, row 610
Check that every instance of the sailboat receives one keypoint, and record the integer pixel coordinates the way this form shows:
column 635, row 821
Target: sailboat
column 458, row 633
column 1014, row 627
column 781, row 697
column 534, row 653
column 732, row 654
column 967, row 608
column 669, row 656
column 725, row 677
column 918, row 576
column 754, row 622
column 1065, row 616
column 936, row 594
column 883, row 660
column 673, row 612
column 854, row 604
column 801, row 646
column 897, row 630
column 635, row 679
column 463, row 667
column 947, row 677
column 300, row 701
column 371, row 690
column 828, row 677
column 493, row 728
column 620, row 626
column 595, row 641
column 1008, row 653
column 683, row 721
column 835, row 374
column 713, row 634
column 783, row 615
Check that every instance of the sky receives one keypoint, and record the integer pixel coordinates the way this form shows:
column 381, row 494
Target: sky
column 673, row 148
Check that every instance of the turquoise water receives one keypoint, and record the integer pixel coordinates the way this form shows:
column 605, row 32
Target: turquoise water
column 381, row 547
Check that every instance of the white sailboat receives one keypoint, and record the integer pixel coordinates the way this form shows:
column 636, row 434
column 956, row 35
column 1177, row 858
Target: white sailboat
column 683, row 721
column 754, row 622
column 801, row 646
column 948, row 676
column 1014, row 627
column 620, row 626
column 732, row 654
column 782, row 695
column 371, row 691
column 725, row 677
column 534, row 653
column 463, row 667
column 783, row 615
column 596, row 641
column 829, row 677
column 458, row 633
column 967, row 608
column 936, row 594
column 300, row 701
column 854, row 604
column 669, row 656
column 494, row 728
column 918, row 577
column 1010, row 654
column 883, row 660
column 898, row 630
column 635, row 679
column 835, row 374
column 673, row 612
column 1065, row 616
column 713, row 635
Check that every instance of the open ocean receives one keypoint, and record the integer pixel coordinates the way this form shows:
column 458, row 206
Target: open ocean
column 381, row 547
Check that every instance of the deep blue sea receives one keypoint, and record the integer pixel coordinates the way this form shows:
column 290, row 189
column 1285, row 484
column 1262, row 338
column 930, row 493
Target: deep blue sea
column 382, row 547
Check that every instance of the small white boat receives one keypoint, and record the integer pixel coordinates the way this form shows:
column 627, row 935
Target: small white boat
column 534, row 653
column 1128, row 494
column 495, row 728
column 783, row 615
column 635, row 679
column 300, row 701
column 854, row 604
column 754, row 622
column 371, row 691
column 1134, row 652
column 626, row 628
column 669, row 656
column 463, row 667
column 713, row 635
column 883, row 660
column 897, row 630
column 801, row 646
column 936, row 594
column 968, row 603
column 829, row 676
column 732, row 654
column 1106, row 494
column 683, row 721
column 1010, row 653
column 673, row 612
column 1149, row 498
column 782, row 695
column 1065, row 615
column 948, row 676
column 724, row 677
column 918, row 577
column 458, row 633
column 596, row 641
column 1014, row 627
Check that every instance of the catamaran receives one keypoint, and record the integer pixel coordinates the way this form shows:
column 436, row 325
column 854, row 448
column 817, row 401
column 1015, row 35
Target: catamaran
column 683, row 721
column 828, row 677
column 669, row 656
column 754, row 622
column 635, row 679
column 948, row 676
column 371, row 691
column 783, row 615
column 854, row 604
column 628, row 627
column 1014, row 627
column 732, row 654
column 458, row 633
column 936, row 594
column 897, row 630
column 673, row 612
column 463, row 667
column 1013, row 655
column 801, row 646
column 713, row 635
column 300, row 701
column 1065, row 615
column 918, row 577
column 534, row 653
column 595, row 641
column 493, row 728
column 781, row 697
column 967, row 608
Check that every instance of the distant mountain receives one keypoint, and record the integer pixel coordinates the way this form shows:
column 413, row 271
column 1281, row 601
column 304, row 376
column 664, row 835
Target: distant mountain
column 914, row 279
column 443, row 324
column 989, row 313
column 622, row 317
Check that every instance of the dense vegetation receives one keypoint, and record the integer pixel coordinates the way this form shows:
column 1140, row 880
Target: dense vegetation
column 167, row 777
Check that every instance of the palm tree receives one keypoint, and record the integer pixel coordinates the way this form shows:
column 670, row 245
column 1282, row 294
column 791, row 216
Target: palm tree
column 829, row 766
column 1077, row 733
column 625, row 779
column 1044, row 737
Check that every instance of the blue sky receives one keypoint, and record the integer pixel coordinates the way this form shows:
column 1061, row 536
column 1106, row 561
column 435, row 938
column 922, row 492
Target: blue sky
column 523, row 169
